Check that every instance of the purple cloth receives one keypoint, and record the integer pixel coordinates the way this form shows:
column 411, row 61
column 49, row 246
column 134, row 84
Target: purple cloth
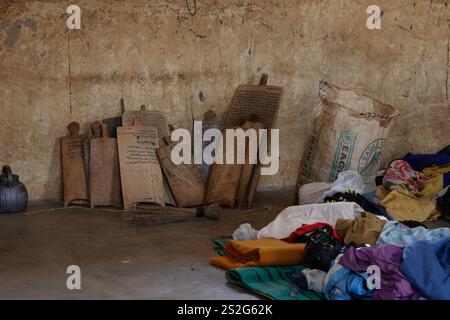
column 394, row 284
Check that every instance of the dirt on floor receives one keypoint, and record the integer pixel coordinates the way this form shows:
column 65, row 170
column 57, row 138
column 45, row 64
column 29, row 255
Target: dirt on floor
column 119, row 260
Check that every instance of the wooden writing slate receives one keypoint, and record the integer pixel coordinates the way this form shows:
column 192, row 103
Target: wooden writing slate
column 263, row 101
column 116, row 122
column 142, row 180
column 95, row 132
column 105, row 189
column 151, row 118
column 249, row 101
column 168, row 197
column 247, row 169
column 232, row 184
column 223, row 180
column 254, row 180
column 147, row 118
column 75, row 185
column 170, row 200
column 185, row 180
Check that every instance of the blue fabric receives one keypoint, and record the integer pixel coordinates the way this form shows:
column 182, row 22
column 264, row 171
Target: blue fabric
column 422, row 161
column 394, row 233
column 369, row 196
column 427, row 266
column 446, row 179
column 445, row 151
column 344, row 284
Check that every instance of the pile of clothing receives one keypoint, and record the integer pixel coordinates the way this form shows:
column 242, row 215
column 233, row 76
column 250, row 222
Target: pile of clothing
column 351, row 246
column 417, row 187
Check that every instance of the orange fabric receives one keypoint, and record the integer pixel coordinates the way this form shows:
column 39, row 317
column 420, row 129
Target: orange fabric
column 260, row 253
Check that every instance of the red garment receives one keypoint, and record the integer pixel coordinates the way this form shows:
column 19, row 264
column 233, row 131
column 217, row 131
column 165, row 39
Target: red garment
column 308, row 228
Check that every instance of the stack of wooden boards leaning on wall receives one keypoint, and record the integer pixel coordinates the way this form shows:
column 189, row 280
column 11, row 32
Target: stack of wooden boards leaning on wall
column 126, row 161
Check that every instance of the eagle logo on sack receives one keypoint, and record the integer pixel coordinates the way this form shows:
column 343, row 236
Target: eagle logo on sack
column 344, row 153
column 370, row 159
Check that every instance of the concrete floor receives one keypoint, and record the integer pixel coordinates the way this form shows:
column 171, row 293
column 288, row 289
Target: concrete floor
column 118, row 260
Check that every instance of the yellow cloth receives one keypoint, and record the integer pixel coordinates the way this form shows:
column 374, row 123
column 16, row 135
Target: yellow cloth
column 437, row 170
column 433, row 187
column 381, row 192
column 405, row 206
column 260, row 253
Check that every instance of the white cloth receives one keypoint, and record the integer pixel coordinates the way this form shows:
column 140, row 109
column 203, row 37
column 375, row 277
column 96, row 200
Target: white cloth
column 292, row 218
column 245, row 232
column 348, row 180
column 315, row 279
column 312, row 192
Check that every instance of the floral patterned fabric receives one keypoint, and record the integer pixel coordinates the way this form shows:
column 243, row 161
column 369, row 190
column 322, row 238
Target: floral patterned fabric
column 401, row 175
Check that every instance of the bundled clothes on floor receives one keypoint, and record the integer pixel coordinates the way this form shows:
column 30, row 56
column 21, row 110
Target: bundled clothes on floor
column 395, row 233
column 245, row 232
column 337, row 248
column 402, row 205
column 421, row 270
column 302, row 234
column 428, row 163
column 412, row 185
column 427, row 184
column 343, row 284
column 427, row 266
column 338, row 283
column 401, row 175
column 347, row 180
column 365, row 229
column 351, row 196
column 394, row 284
column 309, row 279
column 322, row 248
column 259, row 253
column 438, row 166
column 292, row 218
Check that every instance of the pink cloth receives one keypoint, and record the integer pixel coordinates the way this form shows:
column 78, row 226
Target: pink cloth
column 401, row 175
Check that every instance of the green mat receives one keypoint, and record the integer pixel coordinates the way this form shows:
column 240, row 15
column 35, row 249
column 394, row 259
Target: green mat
column 273, row 283
column 219, row 244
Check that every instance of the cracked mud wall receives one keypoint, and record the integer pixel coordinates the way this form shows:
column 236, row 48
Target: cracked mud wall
column 156, row 53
